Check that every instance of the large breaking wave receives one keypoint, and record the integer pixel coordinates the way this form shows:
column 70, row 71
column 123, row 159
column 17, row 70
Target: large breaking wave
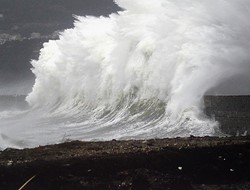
column 139, row 73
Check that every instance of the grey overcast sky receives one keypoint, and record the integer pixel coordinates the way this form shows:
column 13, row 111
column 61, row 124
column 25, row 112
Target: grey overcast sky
column 26, row 24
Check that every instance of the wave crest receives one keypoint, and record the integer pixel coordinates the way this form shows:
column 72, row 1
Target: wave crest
column 154, row 59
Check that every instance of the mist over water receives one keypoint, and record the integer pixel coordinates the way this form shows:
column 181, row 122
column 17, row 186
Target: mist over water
column 140, row 73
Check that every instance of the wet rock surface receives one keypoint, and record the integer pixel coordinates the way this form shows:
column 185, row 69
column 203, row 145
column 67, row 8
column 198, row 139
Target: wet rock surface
column 181, row 163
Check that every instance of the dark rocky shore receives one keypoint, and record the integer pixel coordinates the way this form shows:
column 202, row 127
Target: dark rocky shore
column 179, row 164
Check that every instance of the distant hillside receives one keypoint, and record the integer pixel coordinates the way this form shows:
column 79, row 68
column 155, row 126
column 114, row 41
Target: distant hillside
column 26, row 24
column 44, row 16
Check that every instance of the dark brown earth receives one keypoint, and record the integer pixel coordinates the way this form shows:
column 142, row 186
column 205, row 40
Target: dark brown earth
column 178, row 164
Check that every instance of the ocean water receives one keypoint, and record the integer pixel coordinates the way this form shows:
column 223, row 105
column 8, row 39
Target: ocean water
column 137, row 74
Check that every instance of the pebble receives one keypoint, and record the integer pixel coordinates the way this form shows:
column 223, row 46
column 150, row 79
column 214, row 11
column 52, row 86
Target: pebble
column 180, row 168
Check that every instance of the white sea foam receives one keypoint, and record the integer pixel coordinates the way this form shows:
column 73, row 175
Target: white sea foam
column 140, row 73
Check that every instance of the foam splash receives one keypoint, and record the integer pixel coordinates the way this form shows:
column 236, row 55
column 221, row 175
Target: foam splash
column 141, row 73
column 172, row 51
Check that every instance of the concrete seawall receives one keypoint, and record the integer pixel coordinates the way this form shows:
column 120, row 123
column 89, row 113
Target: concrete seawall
column 232, row 112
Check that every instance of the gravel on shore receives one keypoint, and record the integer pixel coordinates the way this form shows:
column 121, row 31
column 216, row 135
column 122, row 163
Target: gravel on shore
column 180, row 164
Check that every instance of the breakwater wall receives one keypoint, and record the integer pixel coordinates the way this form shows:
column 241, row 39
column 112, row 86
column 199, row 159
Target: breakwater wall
column 232, row 112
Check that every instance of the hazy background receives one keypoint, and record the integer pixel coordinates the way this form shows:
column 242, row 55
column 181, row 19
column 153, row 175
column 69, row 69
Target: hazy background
column 26, row 24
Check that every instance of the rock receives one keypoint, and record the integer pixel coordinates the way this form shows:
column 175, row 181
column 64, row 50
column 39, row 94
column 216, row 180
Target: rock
column 130, row 165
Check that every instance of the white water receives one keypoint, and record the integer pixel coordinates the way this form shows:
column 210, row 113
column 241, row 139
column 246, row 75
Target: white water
column 137, row 74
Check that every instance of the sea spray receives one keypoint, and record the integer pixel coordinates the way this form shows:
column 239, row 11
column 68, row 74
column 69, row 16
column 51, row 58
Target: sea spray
column 139, row 73
column 171, row 51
